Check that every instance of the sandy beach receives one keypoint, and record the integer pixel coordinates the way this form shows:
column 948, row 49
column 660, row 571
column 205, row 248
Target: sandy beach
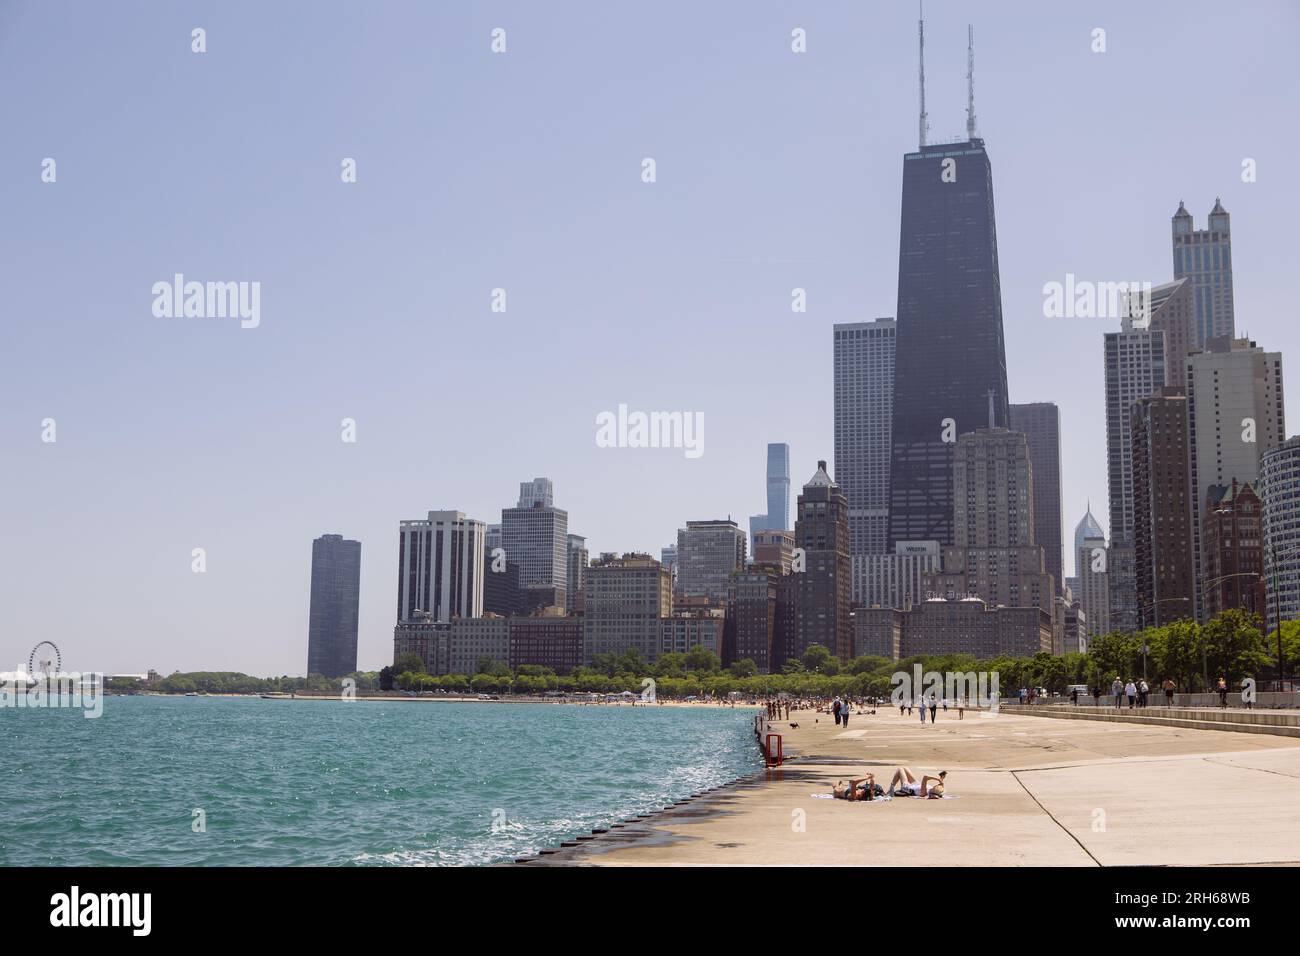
column 1023, row 790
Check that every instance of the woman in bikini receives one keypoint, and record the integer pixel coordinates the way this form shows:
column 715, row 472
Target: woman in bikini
column 906, row 784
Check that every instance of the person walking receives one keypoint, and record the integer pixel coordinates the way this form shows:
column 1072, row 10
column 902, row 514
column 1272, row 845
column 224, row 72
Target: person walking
column 845, row 710
column 934, row 708
column 1222, row 689
column 922, row 710
column 836, row 706
column 1168, row 685
column 1131, row 692
column 1096, row 695
column 1117, row 688
column 1144, row 693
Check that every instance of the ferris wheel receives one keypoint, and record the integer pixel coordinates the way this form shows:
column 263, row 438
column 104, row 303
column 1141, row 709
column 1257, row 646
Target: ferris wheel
column 44, row 661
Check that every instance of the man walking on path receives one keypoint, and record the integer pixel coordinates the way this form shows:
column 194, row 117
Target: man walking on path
column 934, row 707
column 1131, row 692
column 1117, row 688
column 845, row 710
column 1222, row 689
column 1168, row 685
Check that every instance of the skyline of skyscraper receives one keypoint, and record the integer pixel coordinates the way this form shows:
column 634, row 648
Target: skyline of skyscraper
column 335, row 606
column 707, row 553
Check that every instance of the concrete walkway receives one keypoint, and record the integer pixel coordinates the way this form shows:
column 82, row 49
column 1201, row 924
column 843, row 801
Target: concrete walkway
column 1026, row 791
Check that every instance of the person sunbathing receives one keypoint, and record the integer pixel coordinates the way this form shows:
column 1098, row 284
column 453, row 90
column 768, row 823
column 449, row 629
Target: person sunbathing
column 861, row 789
column 906, row 784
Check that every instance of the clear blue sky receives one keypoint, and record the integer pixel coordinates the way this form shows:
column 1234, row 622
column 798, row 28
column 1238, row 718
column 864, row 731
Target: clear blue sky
column 522, row 171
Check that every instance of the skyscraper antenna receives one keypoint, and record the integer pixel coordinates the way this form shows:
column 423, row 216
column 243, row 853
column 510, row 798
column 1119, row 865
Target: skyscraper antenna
column 970, row 81
column 920, row 28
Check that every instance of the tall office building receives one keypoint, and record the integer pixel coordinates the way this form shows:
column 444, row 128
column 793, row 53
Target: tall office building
column 1235, row 413
column 1279, row 494
column 1088, row 527
column 440, row 566
column 777, row 517
column 1205, row 257
column 1232, row 534
column 1092, row 558
column 950, row 356
column 535, row 535
column 1135, row 368
column 707, row 553
column 864, row 422
column 1162, row 511
column 625, row 597
column 335, row 603
column 896, row 580
column 1041, row 424
column 994, row 555
column 1170, row 309
column 823, row 590
column 751, row 616
column 577, row 565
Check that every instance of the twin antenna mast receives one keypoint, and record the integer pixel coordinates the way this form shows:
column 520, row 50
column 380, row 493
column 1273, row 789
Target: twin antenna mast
column 924, row 119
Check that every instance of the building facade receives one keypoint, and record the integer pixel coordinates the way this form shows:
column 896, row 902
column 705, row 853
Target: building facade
column 751, row 616
column 777, row 517
column 895, row 580
column 1162, row 509
column 949, row 354
column 1204, row 256
column 959, row 626
column 1040, row 422
column 1232, row 535
column 864, row 423
column 1279, row 494
column 707, row 553
column 823, row 589
column 576, row 570
column 535, row 535
column 553, row 642
column 471, row 640
column 440, row 566
column 335, row 606
column 625, row 599
column 425, row 638
column 1235, row 413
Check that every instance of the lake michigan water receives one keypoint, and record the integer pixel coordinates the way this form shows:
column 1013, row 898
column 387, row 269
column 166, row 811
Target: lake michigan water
column 324, row 783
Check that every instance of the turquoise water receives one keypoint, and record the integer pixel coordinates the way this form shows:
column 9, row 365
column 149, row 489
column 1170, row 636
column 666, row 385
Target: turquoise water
column 285, row 783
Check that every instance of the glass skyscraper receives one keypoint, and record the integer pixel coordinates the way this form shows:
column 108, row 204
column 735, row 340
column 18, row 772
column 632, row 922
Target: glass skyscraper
column 1205, row 257
column 335, row 601
column 950, row 362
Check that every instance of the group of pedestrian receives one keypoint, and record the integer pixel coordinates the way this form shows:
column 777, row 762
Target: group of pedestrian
column 1138, row 692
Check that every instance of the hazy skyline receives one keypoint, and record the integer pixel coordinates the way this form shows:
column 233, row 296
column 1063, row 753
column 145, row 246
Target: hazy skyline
column 522, row 171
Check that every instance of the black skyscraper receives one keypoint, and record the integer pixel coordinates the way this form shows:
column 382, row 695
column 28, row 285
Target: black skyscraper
column 335, row 599
column 950, row 353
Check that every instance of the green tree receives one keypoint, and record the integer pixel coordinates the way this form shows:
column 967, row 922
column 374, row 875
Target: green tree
column 409, row 663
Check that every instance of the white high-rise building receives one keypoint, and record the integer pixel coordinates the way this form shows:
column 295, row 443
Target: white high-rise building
column 1234, row 415
column 864, row 417
column 440, row 567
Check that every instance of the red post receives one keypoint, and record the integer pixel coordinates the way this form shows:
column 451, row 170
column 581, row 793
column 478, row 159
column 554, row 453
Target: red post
column 774, row 759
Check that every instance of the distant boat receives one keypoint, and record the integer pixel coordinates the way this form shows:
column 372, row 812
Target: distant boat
column 192, row 694
column 275, row 696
